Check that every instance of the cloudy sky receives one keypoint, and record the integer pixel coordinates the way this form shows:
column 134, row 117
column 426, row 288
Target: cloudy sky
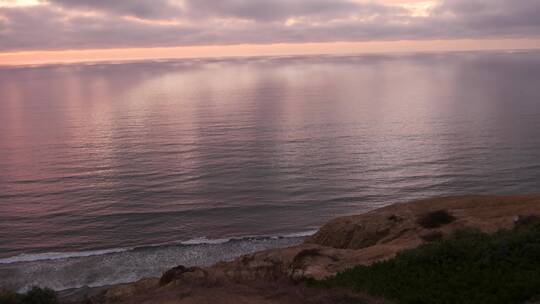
column 55, row 25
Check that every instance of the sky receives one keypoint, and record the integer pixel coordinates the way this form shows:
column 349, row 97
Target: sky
column 34, row 31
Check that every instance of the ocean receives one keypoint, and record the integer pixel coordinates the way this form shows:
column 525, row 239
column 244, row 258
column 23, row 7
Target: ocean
column 111, row 172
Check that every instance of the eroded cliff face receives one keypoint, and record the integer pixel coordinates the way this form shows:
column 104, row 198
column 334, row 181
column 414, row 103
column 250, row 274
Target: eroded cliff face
column 273, row 276
column 396, row 227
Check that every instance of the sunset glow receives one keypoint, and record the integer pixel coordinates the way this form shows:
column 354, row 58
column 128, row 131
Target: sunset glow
column 269, row 151
column 339, row 48
column 44, row 31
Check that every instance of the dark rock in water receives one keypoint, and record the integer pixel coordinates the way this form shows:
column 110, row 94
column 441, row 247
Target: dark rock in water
column 181, row 272
column 171, row 274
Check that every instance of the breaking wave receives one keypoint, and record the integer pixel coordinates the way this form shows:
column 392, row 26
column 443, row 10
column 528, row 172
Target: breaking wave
column 67, row 270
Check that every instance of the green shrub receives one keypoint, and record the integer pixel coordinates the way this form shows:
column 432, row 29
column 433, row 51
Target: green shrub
column 35, row 296
column 10, row 298
column 468, row 267
column 432, row 236
column 435, row 219
column 528, row 220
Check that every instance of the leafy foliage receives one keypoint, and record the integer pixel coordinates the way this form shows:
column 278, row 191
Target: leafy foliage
column 35, row 296
column 435, row 219
column 468, row 267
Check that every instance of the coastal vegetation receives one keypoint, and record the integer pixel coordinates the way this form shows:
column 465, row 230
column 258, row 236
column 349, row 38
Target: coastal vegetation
column 435, row 219
column 35, row 295
column 473, row 249
column 468, row 266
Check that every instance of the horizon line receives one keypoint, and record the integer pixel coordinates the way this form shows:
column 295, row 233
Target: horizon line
column 72, row 56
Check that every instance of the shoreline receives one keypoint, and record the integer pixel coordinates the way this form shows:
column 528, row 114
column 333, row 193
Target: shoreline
column 340, row 244
column 353, row 240
column 94, row 269
column 58, row 255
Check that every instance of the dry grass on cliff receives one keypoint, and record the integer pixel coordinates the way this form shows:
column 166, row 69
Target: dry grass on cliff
column 468, row 267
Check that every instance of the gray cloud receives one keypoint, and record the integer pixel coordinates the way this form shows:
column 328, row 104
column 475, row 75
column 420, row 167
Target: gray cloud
column 488, row 18
column 279, row 10
column 483, row 13
column 147, row 9
column 46, row 28
column 202, row 22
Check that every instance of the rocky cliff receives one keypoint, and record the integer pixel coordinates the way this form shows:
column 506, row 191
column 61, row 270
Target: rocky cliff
column 275, row 276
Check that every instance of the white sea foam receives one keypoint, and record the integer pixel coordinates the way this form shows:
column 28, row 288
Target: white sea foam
column 204, row 240
column 61, row 271
column 301, row 234
column 25, row 257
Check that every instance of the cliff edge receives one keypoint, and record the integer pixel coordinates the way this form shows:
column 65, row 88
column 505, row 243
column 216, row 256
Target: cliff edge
column 275, row 276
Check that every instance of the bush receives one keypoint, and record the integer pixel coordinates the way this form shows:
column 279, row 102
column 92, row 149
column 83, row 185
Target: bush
column 435, row 219
column 528, row 220
column 432, row 236
column 468, row 267
column 10, row 298
column 35, row 296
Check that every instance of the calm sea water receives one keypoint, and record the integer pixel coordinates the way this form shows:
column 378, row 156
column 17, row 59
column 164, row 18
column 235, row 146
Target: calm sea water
column 100, row 164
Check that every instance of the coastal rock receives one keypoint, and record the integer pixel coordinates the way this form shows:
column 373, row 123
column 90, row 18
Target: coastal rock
column 123, row 291
column 395, row 228
column 183, row 273
column 366, row 238
column 380, row 234
column 293, row 263
column 274, row 276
